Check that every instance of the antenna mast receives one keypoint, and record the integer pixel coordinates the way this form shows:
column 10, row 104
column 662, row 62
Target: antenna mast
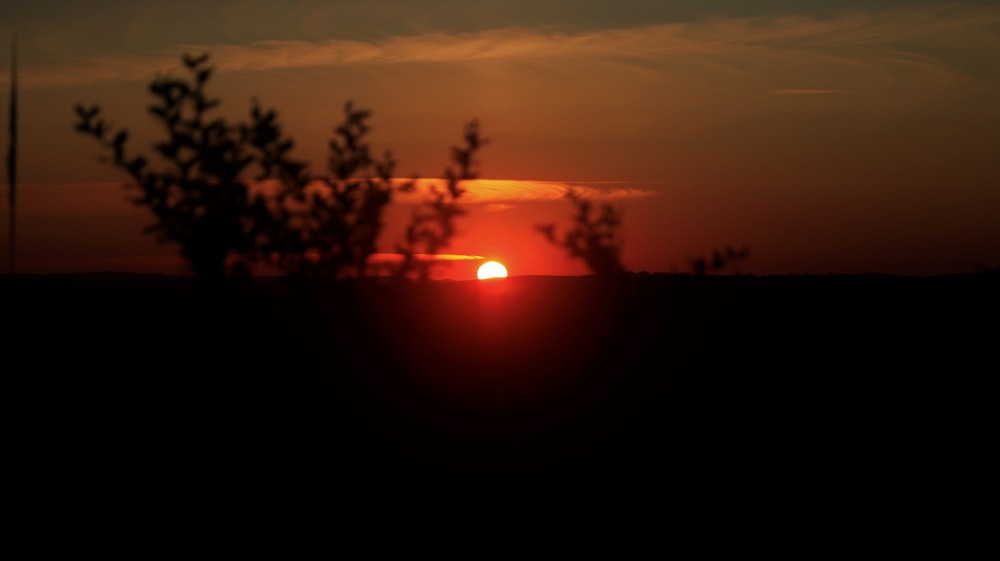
column 12, row 153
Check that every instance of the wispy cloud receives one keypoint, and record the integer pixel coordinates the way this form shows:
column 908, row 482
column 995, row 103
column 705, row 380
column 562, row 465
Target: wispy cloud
column 851, row 36
column 501, row 194
column 397, row 257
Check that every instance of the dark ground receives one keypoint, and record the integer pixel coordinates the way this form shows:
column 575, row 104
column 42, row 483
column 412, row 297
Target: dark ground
column 737, row 412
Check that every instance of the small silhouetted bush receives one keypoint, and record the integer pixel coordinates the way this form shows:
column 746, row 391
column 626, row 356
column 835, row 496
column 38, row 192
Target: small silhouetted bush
column 200, row 197
column 432, row 224
column 719, row 260
column 325, row 226
column 595, row 236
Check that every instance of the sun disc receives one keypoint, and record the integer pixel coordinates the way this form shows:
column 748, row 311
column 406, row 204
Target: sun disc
column 491, row 270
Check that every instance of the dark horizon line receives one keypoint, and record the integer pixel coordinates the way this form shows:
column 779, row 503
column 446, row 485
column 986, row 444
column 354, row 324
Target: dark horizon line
column 279, row 276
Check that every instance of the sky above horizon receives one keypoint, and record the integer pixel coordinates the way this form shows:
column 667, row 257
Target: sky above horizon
column 827, row 137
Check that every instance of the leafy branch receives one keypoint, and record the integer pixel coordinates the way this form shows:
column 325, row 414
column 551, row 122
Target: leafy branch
column 198, row 198
column 595, row 236
column 432, row 224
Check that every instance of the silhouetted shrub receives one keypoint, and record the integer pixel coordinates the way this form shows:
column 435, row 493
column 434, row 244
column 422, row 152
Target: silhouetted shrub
column 594, row 239
column 325, row 226
column 432, row 224
column 231, row 196
column 718, row 261
column 201, row 200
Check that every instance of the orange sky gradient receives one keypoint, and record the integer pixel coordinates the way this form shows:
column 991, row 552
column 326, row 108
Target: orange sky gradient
column 825, row 139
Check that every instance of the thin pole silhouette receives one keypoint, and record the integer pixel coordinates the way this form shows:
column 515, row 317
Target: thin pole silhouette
column 12, row 153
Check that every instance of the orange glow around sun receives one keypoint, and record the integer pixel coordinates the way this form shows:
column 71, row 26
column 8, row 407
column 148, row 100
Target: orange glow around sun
column 491, row 270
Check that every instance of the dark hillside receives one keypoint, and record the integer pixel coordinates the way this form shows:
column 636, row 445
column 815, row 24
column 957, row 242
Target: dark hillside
column 820, row 406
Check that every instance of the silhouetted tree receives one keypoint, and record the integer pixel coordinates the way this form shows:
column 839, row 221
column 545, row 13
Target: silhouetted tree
column 200, row 198
column 595, row 237
column 325, row 226
column 307, row 226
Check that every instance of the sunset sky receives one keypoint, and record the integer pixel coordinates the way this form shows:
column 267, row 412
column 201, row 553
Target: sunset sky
column 828, row 136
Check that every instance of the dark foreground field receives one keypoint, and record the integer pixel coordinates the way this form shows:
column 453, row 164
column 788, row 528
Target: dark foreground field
column 729, row 411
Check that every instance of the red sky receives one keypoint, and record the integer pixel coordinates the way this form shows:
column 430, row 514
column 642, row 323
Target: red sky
column 826, row 137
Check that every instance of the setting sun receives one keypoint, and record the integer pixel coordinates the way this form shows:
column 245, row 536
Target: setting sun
column 491, row 270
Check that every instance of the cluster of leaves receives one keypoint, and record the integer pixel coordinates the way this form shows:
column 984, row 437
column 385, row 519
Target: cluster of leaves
column 595, row 237
column 232, row 196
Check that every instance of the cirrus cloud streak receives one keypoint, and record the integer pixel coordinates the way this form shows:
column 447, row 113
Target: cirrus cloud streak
column 857, row 36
